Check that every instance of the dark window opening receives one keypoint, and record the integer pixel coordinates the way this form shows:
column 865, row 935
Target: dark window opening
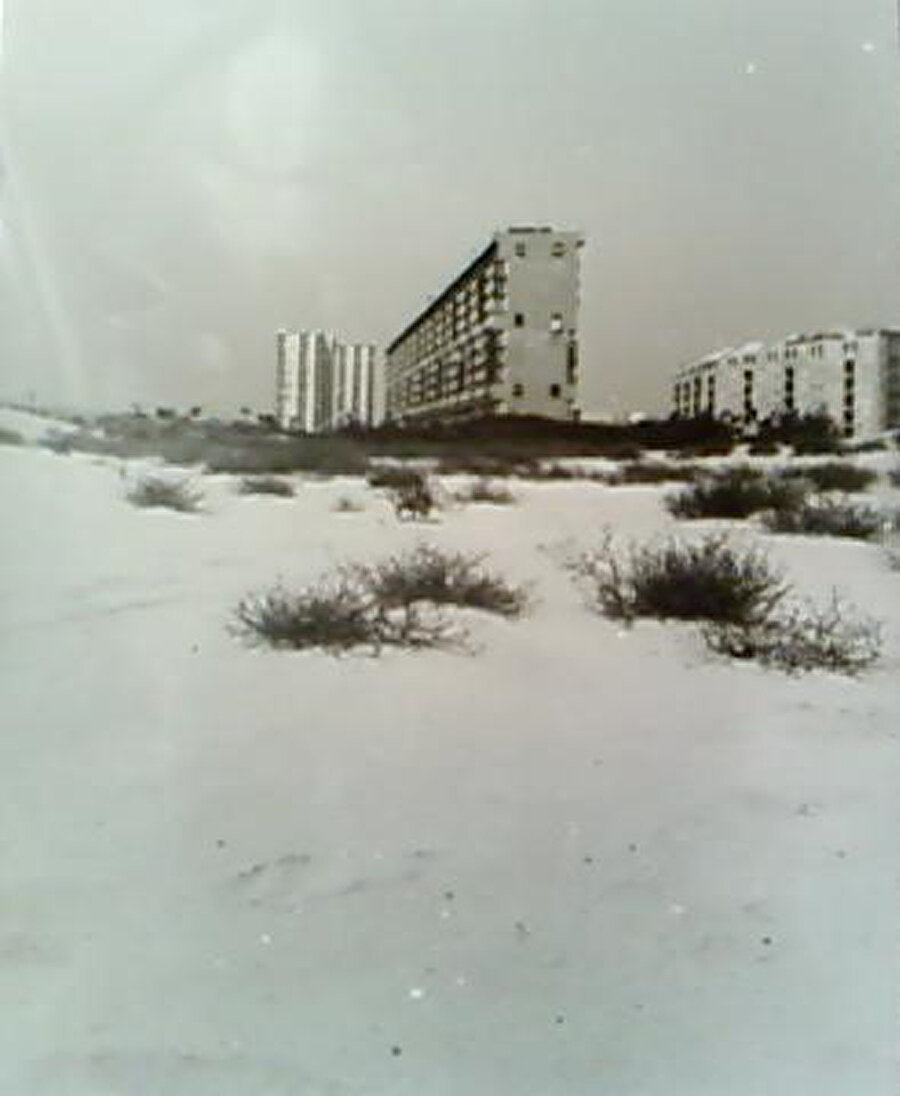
column 555, row 391
column 518, row 391
column 519, row 319
column 520, row 251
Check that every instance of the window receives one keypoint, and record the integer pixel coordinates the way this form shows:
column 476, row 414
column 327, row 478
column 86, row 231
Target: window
column 555, row 391
column 558, row 249
column 519, row 319
column 518, row 391
column 520, row 251
column 556, row 323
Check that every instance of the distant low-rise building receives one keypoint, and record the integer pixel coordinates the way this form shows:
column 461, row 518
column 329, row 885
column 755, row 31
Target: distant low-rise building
column 501, row 339
column 321, row 383
column 851, row 376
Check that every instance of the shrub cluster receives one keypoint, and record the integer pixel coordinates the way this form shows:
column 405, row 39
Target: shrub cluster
column 835, row 476
column 395, row 478
column 398, row 602
column 735, row 493
column 802, row 638
column 486, row 491
column 736, row 596
column 10, row 437
column 443, row 578
column 827, row 518
column 266, row 485
column 707, row 580
column 652, row 472
column 153, row 491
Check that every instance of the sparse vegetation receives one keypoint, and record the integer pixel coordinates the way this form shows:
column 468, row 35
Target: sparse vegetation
column 710, row 580
column 738, row 599
column 155, row 492
column 487, row 491
column 736, row 493
column 337, row 615
column 802, row 638
column 444, row 578
column 827, row 518
column 652, row 472
column 395, row 478
column 10, row 437
column 266, row 485
column 763, row 447
column 835, row 476
column 398, row 602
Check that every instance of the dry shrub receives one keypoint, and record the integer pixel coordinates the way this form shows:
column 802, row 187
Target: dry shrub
column 155, row 492
column 487, row 491
column 266, row 485
column 736, row 493
column 828, row 518
column 835, row 476
column 709, row 580
column 399, row 602
column 803, row 638
column 444, row 578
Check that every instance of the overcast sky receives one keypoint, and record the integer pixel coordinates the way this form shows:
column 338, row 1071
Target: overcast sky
column 182, row 177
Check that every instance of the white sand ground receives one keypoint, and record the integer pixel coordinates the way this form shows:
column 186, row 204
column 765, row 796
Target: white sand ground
column 583, row 862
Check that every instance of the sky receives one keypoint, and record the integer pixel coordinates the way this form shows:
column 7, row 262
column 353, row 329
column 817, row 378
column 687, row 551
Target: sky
column 180, row 179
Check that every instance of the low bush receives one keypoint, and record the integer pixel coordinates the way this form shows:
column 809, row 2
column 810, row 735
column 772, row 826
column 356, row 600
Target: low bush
column 399, row 602
column 802, row 638
column 652, row 472
column 764, row 448
column 395, row 478
column 710, row 580
column 486, row 491
column 443, row 578
column 166, row 494
column 835, row 476
column 337, row 616
column 10, row 437
column 735, row 493
column 875, row 445
column 827, row 518
column 266, row 485
column 722, row 448
column 477, row 465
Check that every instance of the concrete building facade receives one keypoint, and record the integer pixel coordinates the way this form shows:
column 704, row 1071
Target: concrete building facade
column 851, row 376
column 501, row 339
column 322, row 384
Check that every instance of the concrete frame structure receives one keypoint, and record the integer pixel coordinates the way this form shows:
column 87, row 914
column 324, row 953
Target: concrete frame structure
column 501, row 339
column 851, row 376
column 322, row 384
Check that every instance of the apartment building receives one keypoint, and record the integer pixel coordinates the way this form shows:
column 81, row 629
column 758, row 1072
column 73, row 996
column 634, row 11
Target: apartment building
column 321, row 383
column 851, row 376
column 501, row 339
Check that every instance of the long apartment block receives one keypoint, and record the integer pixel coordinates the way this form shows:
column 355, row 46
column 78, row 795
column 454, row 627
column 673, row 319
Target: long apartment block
column 323, row 384
column 853, row 376
column 501, row 339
